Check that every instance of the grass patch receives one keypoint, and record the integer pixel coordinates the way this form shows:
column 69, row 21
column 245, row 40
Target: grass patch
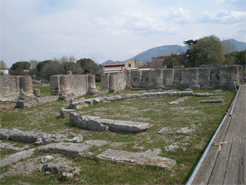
column 44, row 90
column 156, row 111
column 4, row 168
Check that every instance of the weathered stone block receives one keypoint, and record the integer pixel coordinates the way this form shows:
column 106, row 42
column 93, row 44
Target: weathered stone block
column 68, row 149
column 128, row 126
column 94, row 124
column 65, row 112
column 211, row 101
column 147, row 158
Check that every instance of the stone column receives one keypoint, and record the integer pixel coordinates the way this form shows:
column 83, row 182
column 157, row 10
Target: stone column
column 36, row 92
column 91, row 84
column 159, row 79
column 185, row 78
column 223, row 80
column 112, row 85
column 169, row 74
column 55, row 84
column 26, row 85
column 204, row 78
column 194, row 78
column 233, row 76
column 64, row 84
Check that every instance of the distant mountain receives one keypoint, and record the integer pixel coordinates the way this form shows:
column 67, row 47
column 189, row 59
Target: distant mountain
column 240, row 45
column 110, row 62
column 146, row 56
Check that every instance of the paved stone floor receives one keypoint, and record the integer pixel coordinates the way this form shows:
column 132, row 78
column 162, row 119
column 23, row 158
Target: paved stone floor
column 228, row 165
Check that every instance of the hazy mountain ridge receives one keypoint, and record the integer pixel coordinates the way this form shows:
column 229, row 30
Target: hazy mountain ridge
column 147, row 55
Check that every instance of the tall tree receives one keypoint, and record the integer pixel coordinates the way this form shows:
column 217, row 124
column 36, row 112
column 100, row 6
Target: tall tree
column 204, row 51
column 2, row 65
column 34, row 64
column 21, row 64
column 236, row 57
column 171, row 61
column 88, row 65
column 40, row 65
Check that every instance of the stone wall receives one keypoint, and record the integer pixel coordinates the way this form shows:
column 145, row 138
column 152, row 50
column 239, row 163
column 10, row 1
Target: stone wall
column 114, row 82
column 77, row 85
column 10, row 87
column 205, row 77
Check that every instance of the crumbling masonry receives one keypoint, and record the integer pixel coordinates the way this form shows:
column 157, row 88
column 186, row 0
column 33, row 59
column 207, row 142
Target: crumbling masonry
column 12, row 86
column 207, row 77
column 78, row 85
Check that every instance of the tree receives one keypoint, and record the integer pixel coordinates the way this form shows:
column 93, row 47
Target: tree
column 40, row 65
column 49, row 69
column 88, row 65
column 33, row 70
column 70, row 66
column 2, row 65
column 18, row 71
column 34, row 64
column 171, row 61
column 236, row 57
column 204, row 51
column 54, row 68
column 23, row 64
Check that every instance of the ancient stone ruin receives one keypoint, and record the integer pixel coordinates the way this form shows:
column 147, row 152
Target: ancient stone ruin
column 78, row 85
column 17, row 91
column 204, row 77
column 13, row 86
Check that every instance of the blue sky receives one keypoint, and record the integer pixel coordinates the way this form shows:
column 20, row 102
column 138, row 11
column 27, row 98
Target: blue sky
column 111, row 29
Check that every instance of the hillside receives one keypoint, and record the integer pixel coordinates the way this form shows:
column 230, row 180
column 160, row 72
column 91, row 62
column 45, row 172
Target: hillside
column 147, row 55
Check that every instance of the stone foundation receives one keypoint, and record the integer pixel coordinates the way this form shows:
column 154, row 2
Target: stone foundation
column 206, row 77
column 78, row 85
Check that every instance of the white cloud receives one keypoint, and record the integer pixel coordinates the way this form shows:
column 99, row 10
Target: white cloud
column 223, row 17
column 181, row 15
column 109, row 29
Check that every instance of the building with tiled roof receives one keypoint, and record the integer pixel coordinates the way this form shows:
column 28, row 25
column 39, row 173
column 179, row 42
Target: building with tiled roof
column 117, row 67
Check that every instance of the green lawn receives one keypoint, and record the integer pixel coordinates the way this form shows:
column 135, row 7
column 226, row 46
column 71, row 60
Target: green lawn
column 205, row 118
column 44, row 90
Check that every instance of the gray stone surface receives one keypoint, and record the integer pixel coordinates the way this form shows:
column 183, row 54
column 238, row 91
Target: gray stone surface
column 142, row 91
column 16, row 157
column 174, row 146
column 11, row 146
column 97, row 124
column 212, row 101
column 217, row 91
column 202, row 94
column 179, row 100
column 60, row 168
column 65, row 112
column 152, row 90
column 35, row 101
column 185, row 93
column 166, row 130
column 97, row 142
column 128, row 126
column 148, row 158
column 185, row 130
column 116, row 144
column 94, row 123
column 37, row 138
column 68, row 149
column 188, row 89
